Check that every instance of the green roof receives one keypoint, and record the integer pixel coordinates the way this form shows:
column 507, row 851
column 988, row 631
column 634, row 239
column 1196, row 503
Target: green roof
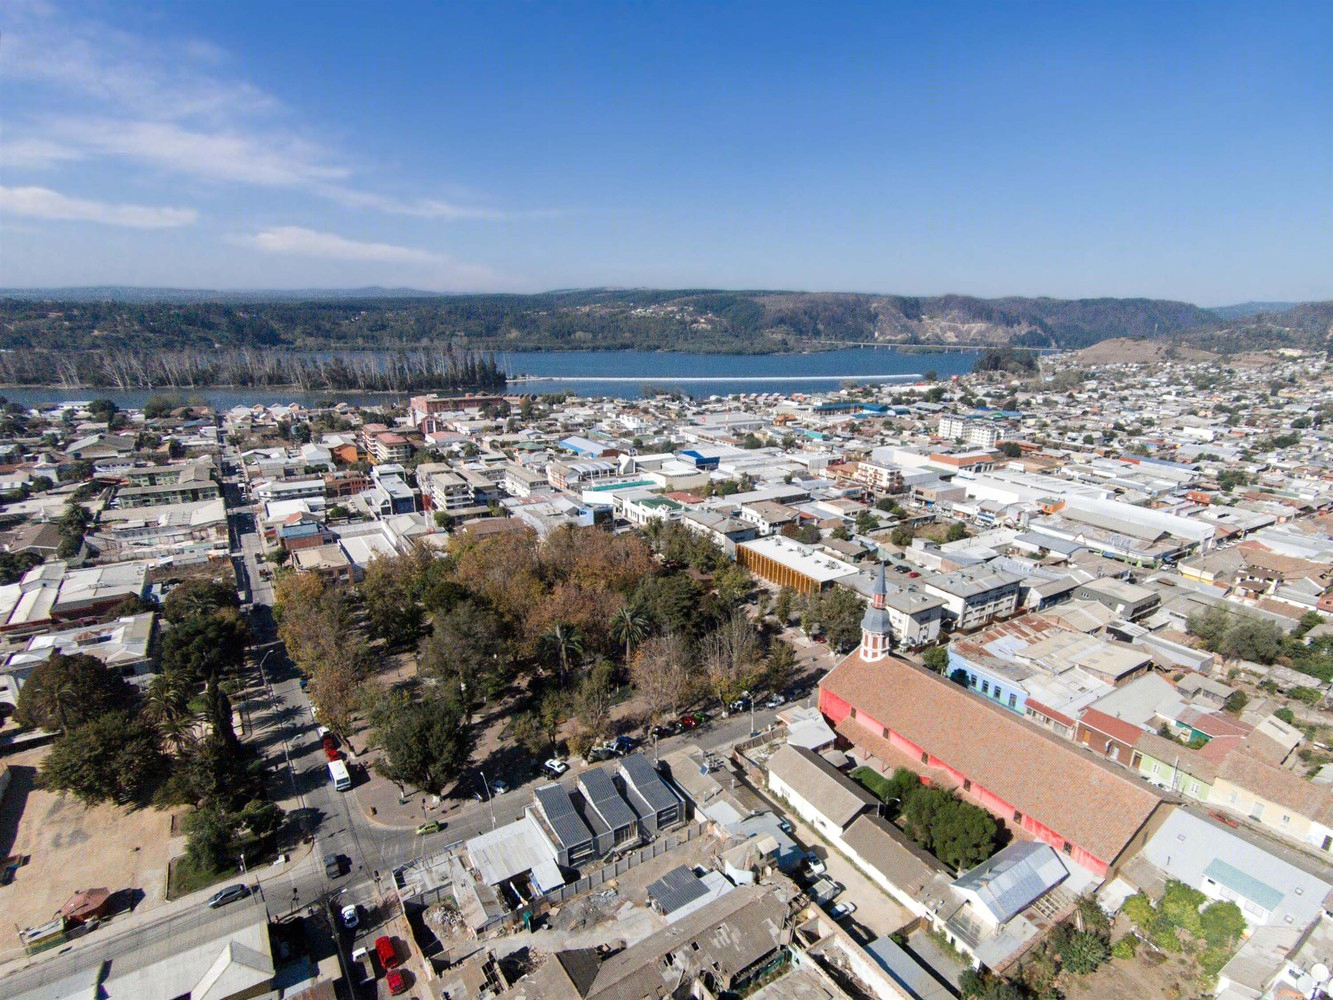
column 620, row 486
column 1244, row 884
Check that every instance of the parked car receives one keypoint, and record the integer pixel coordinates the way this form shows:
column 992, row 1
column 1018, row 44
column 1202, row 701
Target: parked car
column 333, row 866
column 386, row 953
column 362, row 969
column 913, row 575
column 431, row 826
column 664, row 731
column 623, row 745
column 554, row 767
column 786, row 826
column 812, row 865
column 396, row 983
column 774, row 700
column 688, row 721
column 841, row 911
column 349, row 916
column 598, row 754
column 499, row 786
column 228, row 895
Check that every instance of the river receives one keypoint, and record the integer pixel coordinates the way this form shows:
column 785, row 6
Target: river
column 620, row 374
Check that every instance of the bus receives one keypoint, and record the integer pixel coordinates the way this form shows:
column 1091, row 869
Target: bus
column 342, row 780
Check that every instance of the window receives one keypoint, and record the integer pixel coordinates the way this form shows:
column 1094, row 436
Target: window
column 967, row 784
column 925, row 757
column 853, row 712
column 1068, row 848
column 1013, row 700
column 1286, row 820
column 1018, row 816
column 1156, row 768
column 1194, row 788
column 985, row 687
column 885, row 732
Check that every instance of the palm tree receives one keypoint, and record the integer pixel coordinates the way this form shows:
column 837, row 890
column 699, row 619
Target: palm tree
column 629, row 628
column 565, row 642
column 168, row 708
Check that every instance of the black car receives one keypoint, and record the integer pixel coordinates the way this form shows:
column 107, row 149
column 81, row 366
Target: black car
column 598, row 754
column 662, row 732
column 228, row 895
column 333, row 866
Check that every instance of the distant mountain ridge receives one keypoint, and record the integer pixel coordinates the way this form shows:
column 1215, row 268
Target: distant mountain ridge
column 754, row 321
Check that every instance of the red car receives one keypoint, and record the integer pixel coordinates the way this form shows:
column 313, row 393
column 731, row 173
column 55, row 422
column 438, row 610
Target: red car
column 397, row 984
column 386, row 953
column 333, row 754
column 687, row 721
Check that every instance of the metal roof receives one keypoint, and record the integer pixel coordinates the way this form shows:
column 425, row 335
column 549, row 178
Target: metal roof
column 678, row 887
column 647, row 782
column 1243, row 883
column 1016, row 877
column 560, row 814
column 604, row 798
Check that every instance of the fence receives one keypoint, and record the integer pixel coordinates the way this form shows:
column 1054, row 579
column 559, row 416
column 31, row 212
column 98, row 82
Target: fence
column 621, row 865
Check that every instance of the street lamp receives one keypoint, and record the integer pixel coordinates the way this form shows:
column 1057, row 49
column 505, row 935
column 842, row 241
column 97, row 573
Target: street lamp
column 490, row 799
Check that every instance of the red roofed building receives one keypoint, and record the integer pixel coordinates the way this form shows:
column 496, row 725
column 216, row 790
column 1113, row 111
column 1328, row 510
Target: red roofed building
column 1104, row 734
column 897, row 714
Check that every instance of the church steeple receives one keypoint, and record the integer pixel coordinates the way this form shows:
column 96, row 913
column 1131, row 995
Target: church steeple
column 875, row 626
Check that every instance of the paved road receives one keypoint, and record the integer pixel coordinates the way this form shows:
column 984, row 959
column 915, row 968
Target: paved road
column 285, row 729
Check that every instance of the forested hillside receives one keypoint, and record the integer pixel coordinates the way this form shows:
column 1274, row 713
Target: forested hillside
column 86, row 334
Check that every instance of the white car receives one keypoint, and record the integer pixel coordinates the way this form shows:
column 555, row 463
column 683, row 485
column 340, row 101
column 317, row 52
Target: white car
column 350, row 918
column 813, row 865
column 840, row 911
column 555, row 767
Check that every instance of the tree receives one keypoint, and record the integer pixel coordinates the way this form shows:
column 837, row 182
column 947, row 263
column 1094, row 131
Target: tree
column 14, row 565
column 70, row 691
column 205, row 647
column 1236, row 702
column 782, row 605
column 466, row 651
column 593, row 700
column 563, row 644
column 426, row 744
column 957, row 532
column 211, row 838
column 390, row 594
column 1010, row 449
column 902, row 536
column 781, row 664
column 660, row 671
column 936, row 658
column 261, row 817
column 839, row 612
column 114, row 757
column 730, row 655
column 1249, row 638
column 1210, row 626
column 630, row 627
column 732, row 584
column 866, row 522
column 168, row 709
column 223, row 771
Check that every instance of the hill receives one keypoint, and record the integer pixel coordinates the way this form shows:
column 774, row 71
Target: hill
column 156, row 320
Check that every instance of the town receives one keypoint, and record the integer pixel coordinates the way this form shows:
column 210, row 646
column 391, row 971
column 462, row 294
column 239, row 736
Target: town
column 1013, row 684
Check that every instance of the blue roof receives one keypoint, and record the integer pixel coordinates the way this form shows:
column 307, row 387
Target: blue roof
column 1244, row 884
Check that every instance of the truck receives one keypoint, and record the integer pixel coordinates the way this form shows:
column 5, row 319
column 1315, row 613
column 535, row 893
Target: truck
column 342, row 778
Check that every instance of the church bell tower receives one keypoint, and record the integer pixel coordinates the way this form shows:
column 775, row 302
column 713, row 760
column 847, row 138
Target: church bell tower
column 875, row 627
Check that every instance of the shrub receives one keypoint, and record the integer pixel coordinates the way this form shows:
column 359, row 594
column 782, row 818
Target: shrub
column 1222, row 923
column 1140, row 910
column 1084, row 952
column 1125, row 947
column 1180, row 905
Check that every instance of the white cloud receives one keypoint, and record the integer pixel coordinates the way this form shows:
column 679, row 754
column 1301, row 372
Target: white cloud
column 298, row 241
column 216, row 155
column 34, row 152
column 43, row 203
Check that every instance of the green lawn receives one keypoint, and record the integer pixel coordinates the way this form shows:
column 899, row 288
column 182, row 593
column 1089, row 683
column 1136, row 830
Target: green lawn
column 876, row 783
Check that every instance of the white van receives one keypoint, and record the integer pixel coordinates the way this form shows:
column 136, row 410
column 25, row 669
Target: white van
column 342, row 778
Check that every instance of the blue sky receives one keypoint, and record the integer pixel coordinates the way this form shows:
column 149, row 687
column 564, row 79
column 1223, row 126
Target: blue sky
column 1172, row 150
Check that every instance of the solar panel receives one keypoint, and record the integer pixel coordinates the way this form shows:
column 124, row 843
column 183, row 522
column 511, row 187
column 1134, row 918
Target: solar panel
column 676, row 888
column 649, row 784
column 559, row 812
column 605, row 799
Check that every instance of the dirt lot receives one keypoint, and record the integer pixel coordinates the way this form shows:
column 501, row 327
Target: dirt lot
column 1140, row 977
column 72, row 847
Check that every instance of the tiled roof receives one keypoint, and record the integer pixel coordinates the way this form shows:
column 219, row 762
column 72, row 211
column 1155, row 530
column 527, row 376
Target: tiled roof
column 1279, row 785
column 1095, row 805
column 1108, row 725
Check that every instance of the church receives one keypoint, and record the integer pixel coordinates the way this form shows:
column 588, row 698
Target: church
column 891, row 713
